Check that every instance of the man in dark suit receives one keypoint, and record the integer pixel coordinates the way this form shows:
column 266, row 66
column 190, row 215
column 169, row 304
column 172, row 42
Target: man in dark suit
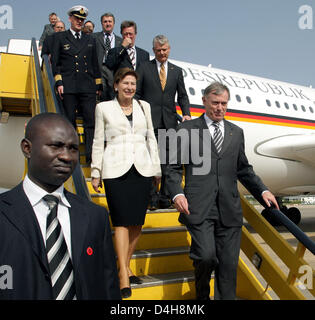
column 49, row 40
column 77, row 75
column 127, row 55
column 106, row 40
column 158, row 83
column 80, row 263
column 210, row 206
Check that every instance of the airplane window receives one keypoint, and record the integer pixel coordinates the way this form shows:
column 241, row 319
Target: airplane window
column 303, row 108
column 295, row 107
column 268, row 103
column 238, row 98
column 286, row 105
column 249, row 100
column 192, row 91
column 277, row 104
column 311, row 109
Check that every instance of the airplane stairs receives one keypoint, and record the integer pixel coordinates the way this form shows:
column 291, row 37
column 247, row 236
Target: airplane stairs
column 161, row 258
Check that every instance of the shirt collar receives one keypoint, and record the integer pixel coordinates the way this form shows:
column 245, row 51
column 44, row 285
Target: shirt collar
column 209, row 121
column 158, row 63
column 130, row 48
column 74, row 32
column 36, row 193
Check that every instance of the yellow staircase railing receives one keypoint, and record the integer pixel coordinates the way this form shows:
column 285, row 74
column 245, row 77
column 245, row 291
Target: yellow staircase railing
column 285, row 285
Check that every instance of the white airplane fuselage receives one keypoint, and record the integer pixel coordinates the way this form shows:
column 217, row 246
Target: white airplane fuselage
column 278, row 120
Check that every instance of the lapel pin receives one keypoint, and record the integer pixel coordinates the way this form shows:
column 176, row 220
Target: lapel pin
column 89, row 251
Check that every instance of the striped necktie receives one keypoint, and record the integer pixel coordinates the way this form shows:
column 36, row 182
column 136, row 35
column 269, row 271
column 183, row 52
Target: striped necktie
column 132, row 56
column 217, row 136
column 163, row 76
column 60, row 266
column 107, row 43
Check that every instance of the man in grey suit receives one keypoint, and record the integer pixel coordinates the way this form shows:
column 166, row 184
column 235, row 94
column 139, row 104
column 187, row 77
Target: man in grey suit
column 158, row 83
column 106, row 40
column 210, row 206
column 48, row 29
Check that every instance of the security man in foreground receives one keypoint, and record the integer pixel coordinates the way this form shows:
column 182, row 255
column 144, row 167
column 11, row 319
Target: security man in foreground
column 76, row 72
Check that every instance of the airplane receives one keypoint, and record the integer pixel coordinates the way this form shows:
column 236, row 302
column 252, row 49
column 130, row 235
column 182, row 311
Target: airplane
column 278, row 119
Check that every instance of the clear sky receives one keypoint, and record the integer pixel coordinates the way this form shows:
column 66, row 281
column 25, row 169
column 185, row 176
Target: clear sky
column 257, row 37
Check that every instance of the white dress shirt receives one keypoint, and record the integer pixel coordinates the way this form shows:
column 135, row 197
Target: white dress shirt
column 158, row 64
column 35, row 195
column 212, row 128
column 111, row 39
column 74, row 32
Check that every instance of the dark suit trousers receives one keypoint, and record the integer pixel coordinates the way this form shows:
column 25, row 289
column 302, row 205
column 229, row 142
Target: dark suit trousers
column 216, row 248
column 108, row 90
column 164, row 166
column 86, row 103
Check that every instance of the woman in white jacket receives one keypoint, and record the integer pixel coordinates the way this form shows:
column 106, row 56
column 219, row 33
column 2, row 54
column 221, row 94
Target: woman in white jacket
column 126, row 165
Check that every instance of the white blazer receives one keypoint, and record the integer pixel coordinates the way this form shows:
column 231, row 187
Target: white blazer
column 125, row 145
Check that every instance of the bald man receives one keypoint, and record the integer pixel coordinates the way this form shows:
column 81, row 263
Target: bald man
column 79, row 263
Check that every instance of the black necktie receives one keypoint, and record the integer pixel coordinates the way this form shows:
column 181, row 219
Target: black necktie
column 77, row 36
column 217, row 136
column 60, row 266
column 107, row 43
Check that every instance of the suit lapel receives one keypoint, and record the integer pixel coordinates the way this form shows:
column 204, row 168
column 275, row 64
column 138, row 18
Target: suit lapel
column 138, row 57
column 21, row 214
column 228, row 136
column 100, row 38
column 155, row 73
column 137, row 114
column 205, row 133
column 79, row 220
column 120, row 114
column 118, row 41
column 170, row 74
column 71, row 39
column 78, row 45
column 83, row 41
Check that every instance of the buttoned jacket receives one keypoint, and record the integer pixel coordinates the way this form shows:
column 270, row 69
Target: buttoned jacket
column 126, row 144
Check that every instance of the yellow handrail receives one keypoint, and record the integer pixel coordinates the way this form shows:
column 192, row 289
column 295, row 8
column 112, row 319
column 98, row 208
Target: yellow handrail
column 285, row 286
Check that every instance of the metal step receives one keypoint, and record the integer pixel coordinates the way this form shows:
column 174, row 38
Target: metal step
column 164, row 237
column 164, row 279
column 167, row 286
column 161, row 260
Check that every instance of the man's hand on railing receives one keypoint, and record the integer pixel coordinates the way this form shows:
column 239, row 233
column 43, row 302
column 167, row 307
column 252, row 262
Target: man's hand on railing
column 186, row 118
column 269, row 199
